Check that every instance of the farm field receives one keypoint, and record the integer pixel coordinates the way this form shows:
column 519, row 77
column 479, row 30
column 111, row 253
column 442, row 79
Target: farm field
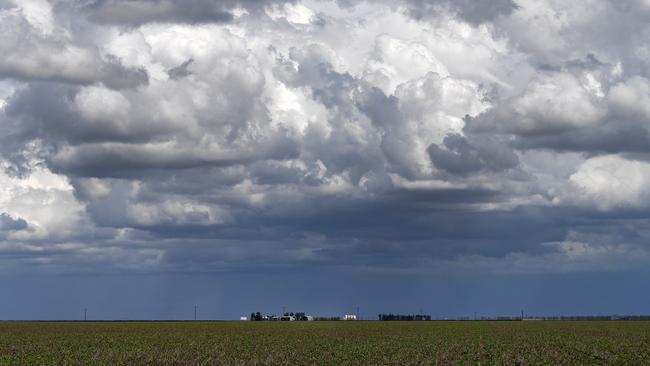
column 330, row 343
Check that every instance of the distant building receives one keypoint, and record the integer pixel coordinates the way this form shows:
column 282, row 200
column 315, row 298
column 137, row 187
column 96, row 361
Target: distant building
column 350, row 317
column 243, row 318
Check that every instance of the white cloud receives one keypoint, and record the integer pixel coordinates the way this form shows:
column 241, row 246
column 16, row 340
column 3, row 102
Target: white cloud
column 611, row 182
column 631, row 97
column 38, row 13
column 34, row 55
column 46, row 201
column 293, row 13
column 396, row 62
column 559, row 101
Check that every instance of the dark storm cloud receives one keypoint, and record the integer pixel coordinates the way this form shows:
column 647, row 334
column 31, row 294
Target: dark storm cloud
column 463, row 156
column 399, row 228
column 119, row 160
column 8, row 223
column 395, row 235
column 393, row 232
column 110, row 72
column 474, row 11
column 138, row 12
column 615, row 137
column 48, row 109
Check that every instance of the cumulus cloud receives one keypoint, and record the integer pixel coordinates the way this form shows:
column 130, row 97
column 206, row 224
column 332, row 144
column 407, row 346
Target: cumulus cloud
column 370, row 134
column 552, row 103
column 36, row 49
column 611, row 181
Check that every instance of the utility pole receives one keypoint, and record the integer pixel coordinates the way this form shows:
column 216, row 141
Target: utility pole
column 475, row 316
column 283, row 311
column 522, row 315
column 358, row 314
column 195, row 312
column 85, row 311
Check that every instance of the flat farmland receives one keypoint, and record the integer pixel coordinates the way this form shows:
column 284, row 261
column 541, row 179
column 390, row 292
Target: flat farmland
column 328, row 343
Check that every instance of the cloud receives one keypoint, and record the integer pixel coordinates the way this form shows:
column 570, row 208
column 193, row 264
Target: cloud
column 553, row 103
column 180, row 70
column 111, row 160
column 472, row 11
column 8, row 223
column 629, row 98
column 475, row 12
column 138, row 12
column 204, row 135
column 463, row 157
column 34, row 53
column 144, row 11
column 611, row 181
column 40, row 208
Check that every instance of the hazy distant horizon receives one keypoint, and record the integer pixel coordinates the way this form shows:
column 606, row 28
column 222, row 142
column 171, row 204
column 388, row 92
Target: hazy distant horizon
column 172, row 297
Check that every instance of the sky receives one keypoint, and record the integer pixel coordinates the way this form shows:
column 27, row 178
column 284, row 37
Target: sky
column 443, row 156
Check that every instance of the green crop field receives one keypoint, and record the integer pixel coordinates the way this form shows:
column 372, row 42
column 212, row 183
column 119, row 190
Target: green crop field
column 330, row 343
